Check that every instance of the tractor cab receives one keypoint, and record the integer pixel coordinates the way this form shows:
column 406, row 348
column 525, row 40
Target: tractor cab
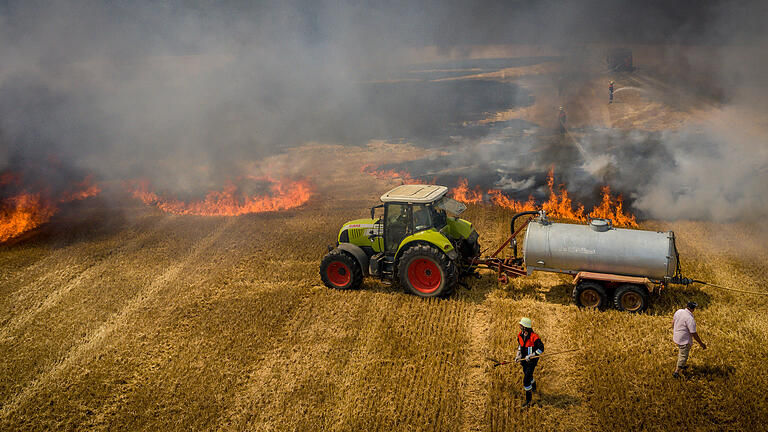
column 414, row 241
column 410, row 209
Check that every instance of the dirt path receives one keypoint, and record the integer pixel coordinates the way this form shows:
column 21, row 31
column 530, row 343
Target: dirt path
column 475, row 391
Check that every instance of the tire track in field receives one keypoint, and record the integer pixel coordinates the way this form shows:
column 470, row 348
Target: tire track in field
column 53, row 298
column 276, row 355
column 475, row 392
column 118, row 319
column 62, row 266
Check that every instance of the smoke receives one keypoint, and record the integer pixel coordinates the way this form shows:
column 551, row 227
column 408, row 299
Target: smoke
column 188, row 94
column 720, row 172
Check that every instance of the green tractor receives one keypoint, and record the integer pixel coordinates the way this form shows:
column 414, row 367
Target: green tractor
column 414, row 243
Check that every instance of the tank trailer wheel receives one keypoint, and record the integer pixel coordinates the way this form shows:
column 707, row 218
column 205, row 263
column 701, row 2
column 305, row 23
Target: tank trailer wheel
column 631, row 298
column 340, row 271
column 590, row 295
column 427, row 272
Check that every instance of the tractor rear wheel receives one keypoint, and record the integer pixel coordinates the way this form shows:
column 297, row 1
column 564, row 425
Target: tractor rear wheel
column 631, row 298
column 427, row 272
column 590, row 295
column 340, row 271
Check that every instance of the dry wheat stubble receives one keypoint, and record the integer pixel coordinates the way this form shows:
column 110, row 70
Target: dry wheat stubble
column 95, row 338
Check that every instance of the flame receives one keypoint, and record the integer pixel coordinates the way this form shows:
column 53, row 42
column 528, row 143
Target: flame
column 228, row 201
column 462, row 193
column 501, row 200
column 23, row 211
column 558, row 205
column 80, row 191
column 613, row 209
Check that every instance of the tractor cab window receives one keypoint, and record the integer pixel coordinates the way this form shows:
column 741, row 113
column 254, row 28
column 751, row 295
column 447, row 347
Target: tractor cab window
column 422, row 218
column 397, row 225
column 451, row 205
column 439, row 218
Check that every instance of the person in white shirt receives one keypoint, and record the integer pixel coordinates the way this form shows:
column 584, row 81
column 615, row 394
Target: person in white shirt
column 683, row 334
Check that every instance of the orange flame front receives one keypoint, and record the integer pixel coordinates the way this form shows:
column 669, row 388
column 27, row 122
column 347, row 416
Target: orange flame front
column 23, row 211
column 501, row 200
column 559, row 204
column 463, row 193
column 228, row 202
column 80, row 191
column 613, row 209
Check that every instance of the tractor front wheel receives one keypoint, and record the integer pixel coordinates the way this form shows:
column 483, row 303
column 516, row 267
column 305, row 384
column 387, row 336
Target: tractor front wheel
column 427, row 272
column 340, row 271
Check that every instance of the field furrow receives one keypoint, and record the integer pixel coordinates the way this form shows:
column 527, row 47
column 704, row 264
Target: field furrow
column 18, row 407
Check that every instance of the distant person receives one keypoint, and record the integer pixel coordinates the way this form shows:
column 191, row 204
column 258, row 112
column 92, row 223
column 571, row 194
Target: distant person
column 528, row 345
column 683, row 329
column 561, row 119
column 610, row 93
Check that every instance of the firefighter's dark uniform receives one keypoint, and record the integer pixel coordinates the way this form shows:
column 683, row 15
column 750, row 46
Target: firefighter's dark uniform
column 529, row 345
column 561, row 118
column 610, row 93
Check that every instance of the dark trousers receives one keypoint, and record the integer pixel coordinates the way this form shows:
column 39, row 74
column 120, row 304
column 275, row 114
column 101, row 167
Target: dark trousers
column 528, row 367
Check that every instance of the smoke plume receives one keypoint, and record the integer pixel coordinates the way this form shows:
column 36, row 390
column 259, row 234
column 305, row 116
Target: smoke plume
column 187, row 94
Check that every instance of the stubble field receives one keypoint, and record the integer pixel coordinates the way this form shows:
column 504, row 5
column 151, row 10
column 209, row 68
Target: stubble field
column 122, row 317
column 133, row 319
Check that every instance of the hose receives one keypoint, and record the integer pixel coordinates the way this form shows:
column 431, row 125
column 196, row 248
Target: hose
column 729, row 289
column 512, row 227
column 497, row 363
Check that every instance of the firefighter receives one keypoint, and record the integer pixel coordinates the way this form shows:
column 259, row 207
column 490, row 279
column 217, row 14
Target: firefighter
column 529, row 347
column 610, row 93
column 561, row 118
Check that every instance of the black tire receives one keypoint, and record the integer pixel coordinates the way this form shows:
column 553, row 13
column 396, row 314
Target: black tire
column 426, row 271
column 631, row 298
column 590, row 295
column 340, row 270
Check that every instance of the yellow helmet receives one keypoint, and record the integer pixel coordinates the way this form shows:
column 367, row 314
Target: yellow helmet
column 526, row 322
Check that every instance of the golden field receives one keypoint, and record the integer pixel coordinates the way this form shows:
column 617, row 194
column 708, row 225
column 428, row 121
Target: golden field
column 130, row 318
column 121, row 317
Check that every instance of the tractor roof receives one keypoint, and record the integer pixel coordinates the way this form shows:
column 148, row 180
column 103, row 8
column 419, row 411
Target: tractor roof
column 415, row 193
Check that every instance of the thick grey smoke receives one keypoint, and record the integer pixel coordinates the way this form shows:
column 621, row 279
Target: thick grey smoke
column 185, row 92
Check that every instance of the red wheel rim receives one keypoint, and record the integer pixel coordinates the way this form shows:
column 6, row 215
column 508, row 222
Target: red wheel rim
column 338, row 273
column 424, row 275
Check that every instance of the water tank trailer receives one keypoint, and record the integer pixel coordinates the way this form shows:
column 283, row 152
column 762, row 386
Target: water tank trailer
column 610, row 265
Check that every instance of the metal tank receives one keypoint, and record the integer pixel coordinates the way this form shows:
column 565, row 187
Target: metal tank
column 598, row 247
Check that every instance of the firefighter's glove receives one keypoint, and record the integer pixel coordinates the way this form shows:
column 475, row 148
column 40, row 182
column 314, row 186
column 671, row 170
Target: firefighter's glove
column 517, row 358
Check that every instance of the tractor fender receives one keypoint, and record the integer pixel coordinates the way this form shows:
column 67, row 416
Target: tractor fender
column 358, row 253
column 432, row 238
